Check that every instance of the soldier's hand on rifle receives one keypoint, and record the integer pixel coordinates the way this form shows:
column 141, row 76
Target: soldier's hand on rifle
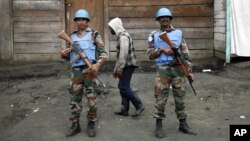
column 167, row 51
column 95, row 68
column 191, row 77
column 65, row 52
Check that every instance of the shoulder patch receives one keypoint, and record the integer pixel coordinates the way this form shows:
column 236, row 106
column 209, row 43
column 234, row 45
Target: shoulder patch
column 95, row 33
column 151, row 36
column 153, row 32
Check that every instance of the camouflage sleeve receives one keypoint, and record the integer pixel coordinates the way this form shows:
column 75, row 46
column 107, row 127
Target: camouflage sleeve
column 101, row 53
column 152, row 53
column 185, row 51
column 185, row 55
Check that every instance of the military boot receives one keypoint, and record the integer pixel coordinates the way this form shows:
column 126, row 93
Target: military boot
column 136, row 101
column 125, row 107
column 91, row 129
column 158, row 129
column 74, row 129
column 183, row 127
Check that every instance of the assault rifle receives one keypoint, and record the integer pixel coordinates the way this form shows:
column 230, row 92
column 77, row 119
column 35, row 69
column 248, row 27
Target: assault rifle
column 177, row 55
column 78, row 50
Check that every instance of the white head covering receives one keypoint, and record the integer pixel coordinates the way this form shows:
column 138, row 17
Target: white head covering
column 116, row 25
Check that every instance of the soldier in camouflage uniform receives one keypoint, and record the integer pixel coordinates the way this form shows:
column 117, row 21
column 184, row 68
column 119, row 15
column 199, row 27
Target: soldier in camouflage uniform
column 81, row 77
column 168, row 71
column 124, row 68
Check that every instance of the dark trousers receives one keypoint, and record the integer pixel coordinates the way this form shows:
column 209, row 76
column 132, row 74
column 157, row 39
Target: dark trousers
column 127, row 94
column 124, row 82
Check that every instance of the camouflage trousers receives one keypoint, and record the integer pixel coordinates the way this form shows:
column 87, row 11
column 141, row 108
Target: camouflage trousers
column 81, row 85
column 167, row 76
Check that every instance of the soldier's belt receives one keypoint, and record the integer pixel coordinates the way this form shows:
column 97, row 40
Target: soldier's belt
column 82, row 68
column 168, row 66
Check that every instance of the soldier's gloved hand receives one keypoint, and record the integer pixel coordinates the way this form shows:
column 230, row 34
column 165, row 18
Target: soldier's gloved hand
column 167, row 51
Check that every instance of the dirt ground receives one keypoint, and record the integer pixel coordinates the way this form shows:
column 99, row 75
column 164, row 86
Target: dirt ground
column 34, row 104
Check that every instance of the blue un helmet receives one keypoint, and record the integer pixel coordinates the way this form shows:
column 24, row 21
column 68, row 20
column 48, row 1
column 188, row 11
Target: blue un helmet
column 82, row 14
column 163, row 12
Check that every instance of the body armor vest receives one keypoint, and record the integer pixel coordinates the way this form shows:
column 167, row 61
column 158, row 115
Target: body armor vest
column 88, row 47
column 176, row 38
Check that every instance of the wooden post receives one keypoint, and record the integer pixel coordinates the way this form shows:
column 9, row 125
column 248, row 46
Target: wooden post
column 106, row 31
column 228, row 32
column 6, row 30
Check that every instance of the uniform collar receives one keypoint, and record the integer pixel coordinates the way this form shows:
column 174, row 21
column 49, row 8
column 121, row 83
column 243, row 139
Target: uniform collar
column 170, row 29
column 88, row 29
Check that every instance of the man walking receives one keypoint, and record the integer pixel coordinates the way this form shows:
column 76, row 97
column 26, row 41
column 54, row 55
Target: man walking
column 124, row 68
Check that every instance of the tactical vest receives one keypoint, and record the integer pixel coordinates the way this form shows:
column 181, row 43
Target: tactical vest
column 176, row 38
column 88, row 47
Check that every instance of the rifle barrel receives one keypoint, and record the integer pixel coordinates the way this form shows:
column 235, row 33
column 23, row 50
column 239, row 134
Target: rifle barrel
column 193, row 88
column 165, row 38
